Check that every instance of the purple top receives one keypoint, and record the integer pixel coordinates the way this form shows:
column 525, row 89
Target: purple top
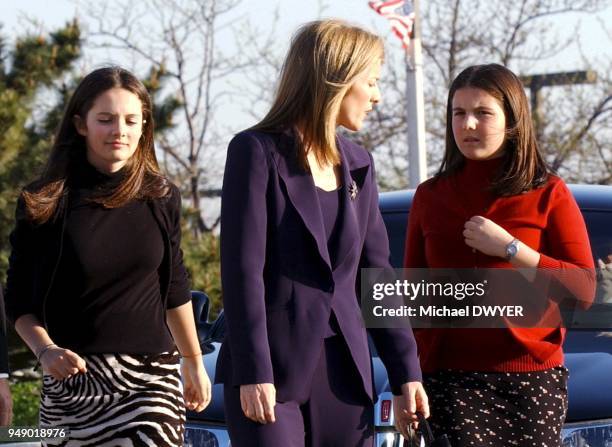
column 330, row 203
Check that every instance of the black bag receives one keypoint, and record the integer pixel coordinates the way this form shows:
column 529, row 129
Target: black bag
column 424, row 433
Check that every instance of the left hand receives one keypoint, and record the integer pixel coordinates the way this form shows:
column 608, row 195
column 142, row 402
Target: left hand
column 486, row 236
column 413, row 400
column 196, row 384
column 6, row 404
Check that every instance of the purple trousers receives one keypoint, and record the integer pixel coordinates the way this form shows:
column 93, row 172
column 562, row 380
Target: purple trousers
column 338, row 412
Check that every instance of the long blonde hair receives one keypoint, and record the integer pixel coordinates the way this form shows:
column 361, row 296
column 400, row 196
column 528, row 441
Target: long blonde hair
column 324, row 59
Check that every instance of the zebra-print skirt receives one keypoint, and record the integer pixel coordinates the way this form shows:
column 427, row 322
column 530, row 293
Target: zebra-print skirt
column 122, row 400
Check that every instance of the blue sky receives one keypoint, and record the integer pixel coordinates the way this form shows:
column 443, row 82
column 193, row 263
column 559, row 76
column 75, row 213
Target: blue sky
column 16, row 14
column 292, row 13
column 295, row 12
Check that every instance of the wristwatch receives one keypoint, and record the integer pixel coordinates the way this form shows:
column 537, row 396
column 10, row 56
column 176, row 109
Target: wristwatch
column 512, row 249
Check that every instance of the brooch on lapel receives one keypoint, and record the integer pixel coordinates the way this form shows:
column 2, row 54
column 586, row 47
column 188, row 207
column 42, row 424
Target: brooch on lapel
column 352, row 189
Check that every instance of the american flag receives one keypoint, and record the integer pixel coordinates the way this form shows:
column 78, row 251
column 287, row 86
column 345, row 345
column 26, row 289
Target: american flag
column 401, row 16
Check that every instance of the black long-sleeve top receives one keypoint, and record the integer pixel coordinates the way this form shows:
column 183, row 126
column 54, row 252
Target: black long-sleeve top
column 116, row 271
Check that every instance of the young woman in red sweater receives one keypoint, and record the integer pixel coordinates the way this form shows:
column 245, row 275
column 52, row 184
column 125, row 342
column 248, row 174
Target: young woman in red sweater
column 495, row 204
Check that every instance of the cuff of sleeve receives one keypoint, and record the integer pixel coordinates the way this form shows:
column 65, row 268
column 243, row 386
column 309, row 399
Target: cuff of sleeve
column 396, row 390
column 179, row 293
column 546, row 262
column 252, row 371
column 396, row 386
column 251, row 364
column 4, row 376
column 178, row 301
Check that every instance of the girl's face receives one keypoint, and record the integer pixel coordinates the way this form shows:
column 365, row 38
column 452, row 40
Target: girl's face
column 360, row 98
column 112, row 129
column 479, row 124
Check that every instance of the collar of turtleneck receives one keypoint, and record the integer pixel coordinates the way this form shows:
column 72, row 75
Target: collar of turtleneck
column 471, row 185
column 480, row 172
column 86, row 176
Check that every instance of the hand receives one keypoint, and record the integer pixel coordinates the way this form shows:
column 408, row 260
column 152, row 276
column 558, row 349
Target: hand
column 6, row 404
column 196, row 384
column 413, row 400
column 486, row 236
column 62, row 363
column 606, row 263
column 258, row 401
column 605, row 279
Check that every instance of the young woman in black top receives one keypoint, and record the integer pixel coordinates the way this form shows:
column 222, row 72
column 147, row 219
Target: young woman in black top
column 96, row 283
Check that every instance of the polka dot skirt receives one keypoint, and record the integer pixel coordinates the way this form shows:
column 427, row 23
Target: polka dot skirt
column 477, row 409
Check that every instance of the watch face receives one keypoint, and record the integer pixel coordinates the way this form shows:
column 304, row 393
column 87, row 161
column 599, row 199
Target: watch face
column 511, row 249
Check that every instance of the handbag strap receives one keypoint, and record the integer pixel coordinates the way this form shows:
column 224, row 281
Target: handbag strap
column 427, row 435
column 425, row 429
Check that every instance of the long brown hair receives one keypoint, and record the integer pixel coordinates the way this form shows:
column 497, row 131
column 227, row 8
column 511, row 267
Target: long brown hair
column 523, row 167
column 324, row 59
column 142, row 177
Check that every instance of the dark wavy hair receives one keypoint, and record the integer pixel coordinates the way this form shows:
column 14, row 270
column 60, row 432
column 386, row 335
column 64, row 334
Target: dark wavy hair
column 142, row 179
column 523, row 167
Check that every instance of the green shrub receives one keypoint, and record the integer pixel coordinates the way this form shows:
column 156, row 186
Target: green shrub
column 202, row 260
column 26, row 399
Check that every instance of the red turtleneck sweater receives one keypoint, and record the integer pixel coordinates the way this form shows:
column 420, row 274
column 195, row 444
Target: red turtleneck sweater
column 547, row 219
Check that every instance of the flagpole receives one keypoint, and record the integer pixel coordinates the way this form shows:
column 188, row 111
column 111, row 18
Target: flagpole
column 417, row 159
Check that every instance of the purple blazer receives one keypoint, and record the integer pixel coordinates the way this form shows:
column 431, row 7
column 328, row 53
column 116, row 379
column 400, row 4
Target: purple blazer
column 278, row 282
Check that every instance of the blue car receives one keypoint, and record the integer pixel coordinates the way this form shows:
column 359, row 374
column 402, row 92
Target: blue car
column 588, row 351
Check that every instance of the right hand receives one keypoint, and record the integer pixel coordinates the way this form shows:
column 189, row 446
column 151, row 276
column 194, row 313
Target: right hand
column 405, row 407
column 196, row 384
column 258, row 401
column 62, row 363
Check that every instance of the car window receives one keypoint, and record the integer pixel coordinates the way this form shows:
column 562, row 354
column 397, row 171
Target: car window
column 396, row 224
column 599, row 226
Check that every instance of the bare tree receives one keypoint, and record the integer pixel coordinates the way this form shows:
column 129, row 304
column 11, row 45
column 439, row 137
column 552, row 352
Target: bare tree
column 459, row 33
column 181, row 39
column 456, row 34
column 575, row 119
column 578, row 135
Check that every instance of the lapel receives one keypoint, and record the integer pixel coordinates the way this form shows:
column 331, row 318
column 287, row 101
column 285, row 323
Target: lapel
column 303, row 195
column 354, row 168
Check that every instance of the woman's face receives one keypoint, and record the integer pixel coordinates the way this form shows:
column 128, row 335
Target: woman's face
column 360, row 98
column 479, row 124
column 112, row 129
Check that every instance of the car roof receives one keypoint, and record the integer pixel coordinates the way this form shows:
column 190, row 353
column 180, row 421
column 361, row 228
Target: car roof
column 589, row 197
column 593, row 197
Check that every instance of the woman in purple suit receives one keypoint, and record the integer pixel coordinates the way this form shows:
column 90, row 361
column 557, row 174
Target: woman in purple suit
column 299, row 218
